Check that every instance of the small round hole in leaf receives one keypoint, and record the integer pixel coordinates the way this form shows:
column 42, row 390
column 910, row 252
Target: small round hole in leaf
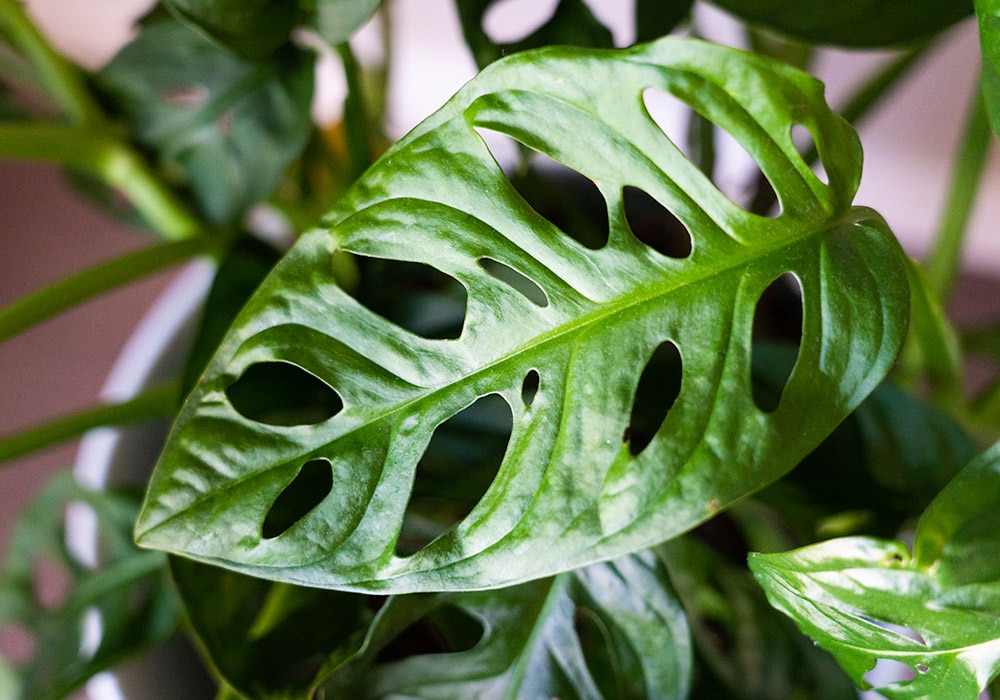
column 654, row 224
column 18, row 643
column 529, row 388
column 777, row 339
column 283, row 394
column 307, row 490
column 658, row 389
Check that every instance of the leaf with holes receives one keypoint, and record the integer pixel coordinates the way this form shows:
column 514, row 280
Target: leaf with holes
column 860, row 23
column 228, row 126
column 612, row 630
column 937, row 612
column 72, row 612
column 575, row 347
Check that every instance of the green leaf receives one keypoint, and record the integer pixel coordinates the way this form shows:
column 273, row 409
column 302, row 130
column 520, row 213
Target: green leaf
column 225, row 126
column 937, row 611
column 268, row 640
column 572, row 489
column 337, row 20
column 572, row 23
column 859, row 23
column 253, row 28
column 988, row 14
column 744, row 647
column 54, row 598
column 610, row 630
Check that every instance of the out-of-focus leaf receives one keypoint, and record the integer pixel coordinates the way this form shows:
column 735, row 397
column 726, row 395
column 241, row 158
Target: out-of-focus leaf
column 268, row 640
column 988, row 14
column 743, row 647
column 572, row 23
column 79, row 618
column 337, row 20
column 253, row 28
column 937, row 611
column 580, row 323
column 657, row 18
column 226, row 126
column 859, row 23
column 611, row 630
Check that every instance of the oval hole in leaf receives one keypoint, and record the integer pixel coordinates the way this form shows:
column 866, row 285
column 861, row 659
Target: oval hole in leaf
column 528, row 288
column 777, row 338
column 658, row 389
column 18, row 643
column 529, row 388
column 283, row 394
column 415, row 296
column 508, row 21
column 307, row 490
column 804, row 142
column 654, row 224
column 445, row 630
column 458, row 466
column 53, row 581
column 567, row 199
column 714, row 150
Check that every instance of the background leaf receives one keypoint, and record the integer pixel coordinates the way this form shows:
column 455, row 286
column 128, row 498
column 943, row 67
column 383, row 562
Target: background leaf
column 988, row 14
column 226, row 126
column 572, row 487
column 937, row 612
column 79, row 617
column 337, row 20
column 610, row 630
column 253, row 28
column 852, row 22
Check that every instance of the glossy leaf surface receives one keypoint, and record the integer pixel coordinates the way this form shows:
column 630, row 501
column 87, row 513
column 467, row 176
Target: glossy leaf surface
column 852, row 22
column 569, row 491
column 611, row 630
column 936, row 611
column 225, row 125
column 79, row 617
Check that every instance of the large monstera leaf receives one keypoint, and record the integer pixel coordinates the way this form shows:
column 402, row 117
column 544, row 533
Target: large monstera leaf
column 558, row 333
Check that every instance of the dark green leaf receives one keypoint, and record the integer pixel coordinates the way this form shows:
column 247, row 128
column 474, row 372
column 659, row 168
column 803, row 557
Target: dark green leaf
column 657, row 18
column 610, row 630
column 226, row 126
column 860, row 23
column 569, row 490
column 572, row 23
column 268, row 640
column 937, row 612
column 337, row 20
column 744, row 648
column 253, row 28
column 60, row 602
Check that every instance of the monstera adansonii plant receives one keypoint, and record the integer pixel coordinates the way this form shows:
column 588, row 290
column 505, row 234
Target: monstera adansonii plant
column 556, row 339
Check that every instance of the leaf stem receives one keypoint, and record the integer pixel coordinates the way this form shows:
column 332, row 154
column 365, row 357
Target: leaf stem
column 356, row 120
column 161, row 400
column 114, row 162
column 45, row 303
column 60, row 77
column 945, row 257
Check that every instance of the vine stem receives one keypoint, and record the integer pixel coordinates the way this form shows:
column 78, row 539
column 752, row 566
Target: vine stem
column 945, row 256
column 159, row 401
column 45, row 303
column 114, row 162
column 61, row 78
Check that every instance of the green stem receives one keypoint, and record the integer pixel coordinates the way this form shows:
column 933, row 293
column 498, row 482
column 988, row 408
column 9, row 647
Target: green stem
column 112, row 161
column 945, row 257
column 857, row 107
column 356, row 119
column 159, row 401
column 64, row 294
column 61, row 78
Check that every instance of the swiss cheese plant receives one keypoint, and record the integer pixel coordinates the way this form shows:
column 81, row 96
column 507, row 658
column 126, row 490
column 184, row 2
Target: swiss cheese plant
column 531, row 386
